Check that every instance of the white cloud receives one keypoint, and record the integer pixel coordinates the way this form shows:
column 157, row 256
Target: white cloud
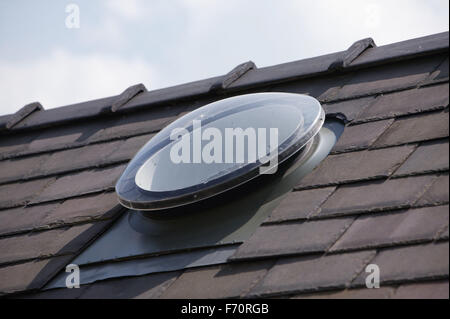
column 63, row 78
column 221, row 34
column 128, row 9
column 187, row 40
column 108, row 32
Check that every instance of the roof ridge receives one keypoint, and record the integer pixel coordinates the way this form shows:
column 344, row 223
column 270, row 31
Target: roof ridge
column 304, row 68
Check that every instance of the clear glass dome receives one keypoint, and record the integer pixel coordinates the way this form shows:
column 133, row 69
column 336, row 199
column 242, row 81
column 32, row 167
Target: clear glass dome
column 218, row 146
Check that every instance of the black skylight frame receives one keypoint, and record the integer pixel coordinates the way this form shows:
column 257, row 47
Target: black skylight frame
column 145, row 200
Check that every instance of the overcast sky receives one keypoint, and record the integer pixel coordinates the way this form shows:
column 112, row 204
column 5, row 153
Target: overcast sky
column 162, row 43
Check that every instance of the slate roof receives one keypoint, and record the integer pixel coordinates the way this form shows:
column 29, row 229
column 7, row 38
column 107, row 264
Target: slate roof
column 381, row 197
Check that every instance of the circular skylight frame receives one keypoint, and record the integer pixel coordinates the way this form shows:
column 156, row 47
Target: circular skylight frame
column 132, row 196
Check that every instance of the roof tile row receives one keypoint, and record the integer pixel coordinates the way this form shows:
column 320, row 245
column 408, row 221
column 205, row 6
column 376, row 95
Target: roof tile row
column 293, row 238
column 85, row 157
column 80, row 134
column 415, row 128
column 357, row 166
column 407, row 102
column 52, row 215
column 429, row 290
column 376, row 196
column 428, row 157
column 411, row 263
column 35, row 245
column 415, row 225
column 388, row 78
column 30, row 275
column 358, row 137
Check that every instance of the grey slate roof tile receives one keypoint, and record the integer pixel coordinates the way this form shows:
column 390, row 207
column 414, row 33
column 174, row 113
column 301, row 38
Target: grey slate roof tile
column 410, row 263
column 363, row 293
column 62, row 136
column 414, row 225
column 83, row 209
column 46, row 243
column 388, row 78
column 354, row 166
column 333, row 271
column 76, row 135
column 88, row 156
column 441, row 72
column 62, row 293
column 293, row 238
column 357, row 137
column 407, row 102
column 129, row 148
column 24, row 218
column 81, row 183
column 350, row 108
column 318, row 87
column 136, row 124
column 300, row 205
column 376, row 195
column 51, row 215
column 428, row 157
column 444, row 235
column 13, row 144
column 141, row 287
column 29, row 275
column 11, row 197
column 431, row 290
column 17, row 169
column 78, row 158
column 437, row 194
column 415, row 128
column 232, row 280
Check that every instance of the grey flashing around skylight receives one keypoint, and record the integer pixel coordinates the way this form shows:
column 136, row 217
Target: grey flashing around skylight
column 145, row 266
column 259, row 77
column 122, row 241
